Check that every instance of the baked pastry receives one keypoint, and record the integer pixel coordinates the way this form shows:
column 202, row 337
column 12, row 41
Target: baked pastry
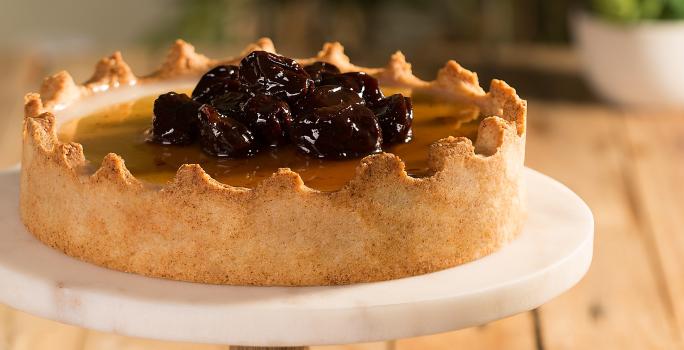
column 376, row 222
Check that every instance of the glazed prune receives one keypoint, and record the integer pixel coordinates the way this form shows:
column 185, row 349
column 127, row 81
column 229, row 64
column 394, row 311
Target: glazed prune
column 318, row 69
column 363, row 84
column 219, row 89
column 268, row 117
column 338, row 132
column 395, row 116
column 230, row 103
column 211, row 81
column 175, row 119
column 270, row 74
column 329, row 95
column 223, row 136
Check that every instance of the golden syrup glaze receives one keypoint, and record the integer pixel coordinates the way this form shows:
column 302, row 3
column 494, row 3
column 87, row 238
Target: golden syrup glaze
column 121, row 129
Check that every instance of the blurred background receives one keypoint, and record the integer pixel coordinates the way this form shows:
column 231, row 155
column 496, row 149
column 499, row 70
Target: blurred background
column 603, row 81
column 480, row 34
column 535, row 45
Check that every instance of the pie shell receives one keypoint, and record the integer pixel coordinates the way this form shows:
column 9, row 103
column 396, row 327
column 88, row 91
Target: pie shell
column 383, row 224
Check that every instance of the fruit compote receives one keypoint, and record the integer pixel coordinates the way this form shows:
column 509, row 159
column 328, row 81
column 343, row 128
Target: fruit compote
column 242, row 123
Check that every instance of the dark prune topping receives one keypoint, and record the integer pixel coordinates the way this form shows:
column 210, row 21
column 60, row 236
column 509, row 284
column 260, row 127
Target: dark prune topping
column 231, row 103
column 318, row 69
column 395, row 116
column 224, row 136
column 268, row 117
column 270, row 74
column 338, row 132
column 269, row 100
column 363, row 84
column 219, row 89
column 175, row 119
column 215, row 76
column 329, row 95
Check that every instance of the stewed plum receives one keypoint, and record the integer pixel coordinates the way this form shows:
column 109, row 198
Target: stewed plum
column 270, row 74
column 319, row 69
column 363, row 84
column 230, row 103
column 269, row 100
column 219, row 89
column 326, row 96
column 212, row 81
column 175, row 119
column 223, row 136
column 340, row 131
column 395, row 116
column 268, row 117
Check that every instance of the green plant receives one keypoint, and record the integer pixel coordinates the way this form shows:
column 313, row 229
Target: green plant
column 637, row 10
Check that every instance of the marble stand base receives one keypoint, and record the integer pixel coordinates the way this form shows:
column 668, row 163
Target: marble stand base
column 551, row 255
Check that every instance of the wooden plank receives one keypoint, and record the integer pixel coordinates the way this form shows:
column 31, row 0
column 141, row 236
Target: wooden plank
column 362, row 346
column 619, row 304
column 27, row 332
column 512, row 333
column 4, row 327
column 95, row 340
column 657, row 153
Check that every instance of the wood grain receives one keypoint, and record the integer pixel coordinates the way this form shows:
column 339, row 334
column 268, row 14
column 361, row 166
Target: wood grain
column 26, row 332
column 620, row 304
column 513, row 333
column 657, row 161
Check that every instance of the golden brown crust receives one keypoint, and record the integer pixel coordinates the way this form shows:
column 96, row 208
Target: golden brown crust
column 382, row 225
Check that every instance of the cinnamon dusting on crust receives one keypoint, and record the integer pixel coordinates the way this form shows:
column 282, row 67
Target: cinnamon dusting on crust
column 111, row 71
column 113, row 170
column 182, row 60
column 59, row 90
column 398, row 72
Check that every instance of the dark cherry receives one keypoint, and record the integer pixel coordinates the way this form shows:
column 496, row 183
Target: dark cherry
column 395, row 116
column 223, row 136
column 270, row 74
column 268, row 117
column 318, row 69
column 338, row 132
column 175, row 119
column 212, row 79
column 363, row 84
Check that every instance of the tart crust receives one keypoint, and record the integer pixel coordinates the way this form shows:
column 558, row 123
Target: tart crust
column 383, row 224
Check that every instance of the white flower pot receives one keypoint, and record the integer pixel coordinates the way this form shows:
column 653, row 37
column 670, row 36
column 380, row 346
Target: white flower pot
column 640, row 65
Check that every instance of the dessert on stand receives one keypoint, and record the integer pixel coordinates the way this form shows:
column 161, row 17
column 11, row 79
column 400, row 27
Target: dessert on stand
column 264, row 170
column 264, row 201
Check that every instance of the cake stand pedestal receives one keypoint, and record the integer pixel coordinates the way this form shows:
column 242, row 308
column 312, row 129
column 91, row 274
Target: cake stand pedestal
column 551, row 255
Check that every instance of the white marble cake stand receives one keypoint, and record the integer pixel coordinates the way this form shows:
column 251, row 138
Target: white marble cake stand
column 551, row 255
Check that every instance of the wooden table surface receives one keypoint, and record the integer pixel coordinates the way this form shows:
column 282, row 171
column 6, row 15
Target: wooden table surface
column 628, row 166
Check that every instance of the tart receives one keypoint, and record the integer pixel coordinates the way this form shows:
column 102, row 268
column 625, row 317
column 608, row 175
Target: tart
column 393, row 213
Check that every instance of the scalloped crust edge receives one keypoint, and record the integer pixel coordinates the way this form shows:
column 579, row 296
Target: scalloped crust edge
column 381, row 225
